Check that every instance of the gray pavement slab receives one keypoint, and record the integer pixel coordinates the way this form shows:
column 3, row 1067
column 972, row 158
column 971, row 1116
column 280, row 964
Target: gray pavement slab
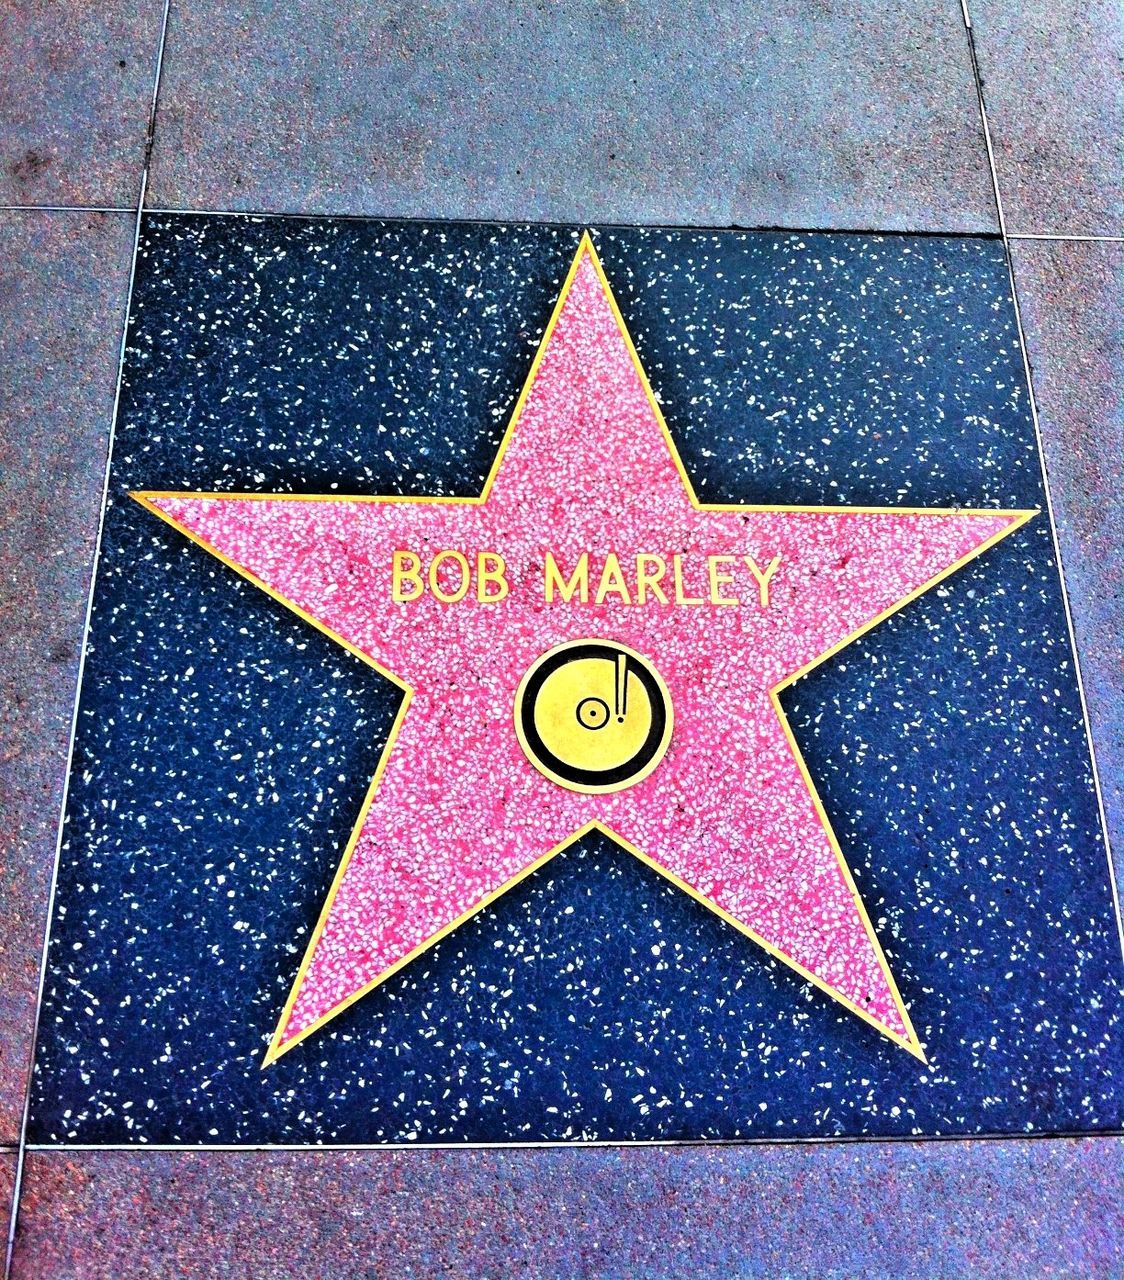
column 1054, row 90
column 75, row 91
column 974, row 1209
column 856, row 116
column 63, row 298
column 1074, row 319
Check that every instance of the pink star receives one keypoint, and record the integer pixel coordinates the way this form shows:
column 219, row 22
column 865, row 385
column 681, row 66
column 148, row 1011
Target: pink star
column 457, row 812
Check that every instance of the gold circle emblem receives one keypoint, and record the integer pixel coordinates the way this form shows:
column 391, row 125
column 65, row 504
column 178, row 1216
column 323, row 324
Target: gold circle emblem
column 593, row 716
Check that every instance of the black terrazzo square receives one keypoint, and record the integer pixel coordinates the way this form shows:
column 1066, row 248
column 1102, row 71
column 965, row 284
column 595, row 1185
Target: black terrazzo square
column 224, row 747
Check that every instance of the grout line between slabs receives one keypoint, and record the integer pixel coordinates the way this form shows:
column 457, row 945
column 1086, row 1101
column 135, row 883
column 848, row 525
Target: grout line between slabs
column 497, row 221
column 598, row 1144
column 21, row 1151
column 22, row 1148
column 736, row 228
column 1021, row 332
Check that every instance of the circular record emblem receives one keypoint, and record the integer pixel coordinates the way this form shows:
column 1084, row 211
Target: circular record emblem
column 593, row 716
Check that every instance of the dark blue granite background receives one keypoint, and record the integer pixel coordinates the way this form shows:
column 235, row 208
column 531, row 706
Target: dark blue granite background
column 224, row 747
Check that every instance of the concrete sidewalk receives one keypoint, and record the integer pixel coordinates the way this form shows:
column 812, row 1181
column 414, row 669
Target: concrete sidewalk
column 812, row 117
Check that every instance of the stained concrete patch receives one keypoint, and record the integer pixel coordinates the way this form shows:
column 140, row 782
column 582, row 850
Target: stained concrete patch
column 74, row 111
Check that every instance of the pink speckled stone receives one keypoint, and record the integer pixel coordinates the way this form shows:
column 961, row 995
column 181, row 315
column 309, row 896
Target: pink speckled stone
column 460, row 811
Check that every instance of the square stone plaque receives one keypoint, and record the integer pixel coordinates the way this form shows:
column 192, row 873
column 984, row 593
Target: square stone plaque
column 547, row 686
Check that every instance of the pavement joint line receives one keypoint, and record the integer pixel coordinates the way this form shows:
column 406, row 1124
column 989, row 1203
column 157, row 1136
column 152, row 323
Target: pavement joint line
column 1033, row 402
column 829, row 1140
column 21, row 1152
column 1063, row 236
column 736, row 228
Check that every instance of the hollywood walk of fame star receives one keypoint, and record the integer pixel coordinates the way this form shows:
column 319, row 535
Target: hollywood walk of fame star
column 587, row 577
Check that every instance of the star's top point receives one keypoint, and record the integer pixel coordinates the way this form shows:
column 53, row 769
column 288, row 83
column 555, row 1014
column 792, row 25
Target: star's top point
column 610, row 401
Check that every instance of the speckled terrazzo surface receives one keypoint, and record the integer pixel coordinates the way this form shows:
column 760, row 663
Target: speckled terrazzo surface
column 223, row 748
column 463, row 806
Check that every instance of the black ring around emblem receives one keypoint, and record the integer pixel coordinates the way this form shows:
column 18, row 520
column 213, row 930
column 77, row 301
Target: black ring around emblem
column 594, row 777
